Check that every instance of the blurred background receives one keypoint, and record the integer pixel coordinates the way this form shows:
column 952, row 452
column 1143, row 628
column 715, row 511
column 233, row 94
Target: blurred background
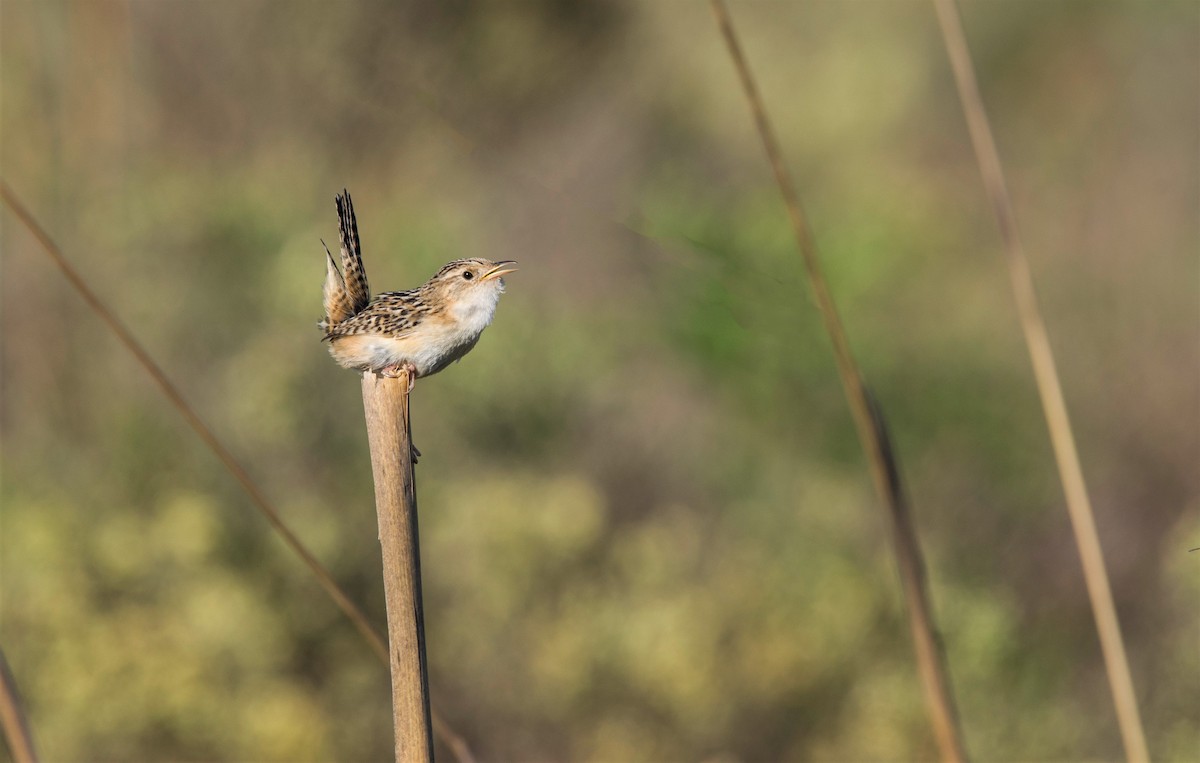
column 648, row 531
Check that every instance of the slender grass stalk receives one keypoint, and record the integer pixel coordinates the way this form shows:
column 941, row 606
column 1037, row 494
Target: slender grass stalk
column 13, row 718
column 872, row 431
column 385, row 402
column 258, row 499
column 1045, row 372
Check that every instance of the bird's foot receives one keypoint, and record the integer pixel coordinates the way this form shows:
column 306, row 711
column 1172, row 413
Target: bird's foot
column 415, row 453
column 396, row 369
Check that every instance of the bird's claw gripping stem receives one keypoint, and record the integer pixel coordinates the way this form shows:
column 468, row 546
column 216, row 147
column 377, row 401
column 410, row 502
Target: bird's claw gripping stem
column 396, row 369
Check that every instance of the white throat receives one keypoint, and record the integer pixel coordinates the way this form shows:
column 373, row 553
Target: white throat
column 474, row 310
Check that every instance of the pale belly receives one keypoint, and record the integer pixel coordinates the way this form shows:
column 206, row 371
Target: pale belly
column 430, row 351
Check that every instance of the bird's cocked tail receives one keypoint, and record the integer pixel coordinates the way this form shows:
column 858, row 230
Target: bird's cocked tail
column 346, row 291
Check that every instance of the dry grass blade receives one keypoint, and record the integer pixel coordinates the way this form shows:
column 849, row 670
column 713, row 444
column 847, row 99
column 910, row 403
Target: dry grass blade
column 872, row 432
column 1045, row 372
column 13, row 718
column 257, row 497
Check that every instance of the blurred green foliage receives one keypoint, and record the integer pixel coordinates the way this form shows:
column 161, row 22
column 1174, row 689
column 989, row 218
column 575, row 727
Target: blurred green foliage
column 648, row 533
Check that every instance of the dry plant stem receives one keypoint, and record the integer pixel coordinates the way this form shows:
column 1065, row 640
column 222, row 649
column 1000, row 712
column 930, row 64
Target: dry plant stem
column 1045, row 372
column 456, row 743
column 193, row 419
column 385, row 401
column 13, row 719
column 197, row 424
column 871, row 432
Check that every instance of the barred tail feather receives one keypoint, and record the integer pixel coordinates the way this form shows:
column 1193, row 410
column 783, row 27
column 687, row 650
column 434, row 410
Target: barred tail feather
column 337, row 302
column 354, row 275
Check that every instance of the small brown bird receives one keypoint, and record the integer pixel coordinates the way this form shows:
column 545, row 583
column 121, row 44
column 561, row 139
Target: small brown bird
column 420, row 331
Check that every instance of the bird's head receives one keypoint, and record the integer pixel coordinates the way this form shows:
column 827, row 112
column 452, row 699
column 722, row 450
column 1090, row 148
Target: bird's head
column 471, row 280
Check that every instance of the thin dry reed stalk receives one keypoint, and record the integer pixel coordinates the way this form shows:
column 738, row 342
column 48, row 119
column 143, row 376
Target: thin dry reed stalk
column 872, row 432
column 13, row 718
column 258, row 499
column 385, row 402
column 1045, row 372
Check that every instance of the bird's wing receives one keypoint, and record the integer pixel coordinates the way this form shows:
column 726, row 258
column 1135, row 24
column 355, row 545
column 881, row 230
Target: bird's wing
column 353, row 272
column 392, row 314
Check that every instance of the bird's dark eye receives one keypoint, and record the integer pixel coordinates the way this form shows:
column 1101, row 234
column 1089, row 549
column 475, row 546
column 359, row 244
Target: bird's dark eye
column 467, row 274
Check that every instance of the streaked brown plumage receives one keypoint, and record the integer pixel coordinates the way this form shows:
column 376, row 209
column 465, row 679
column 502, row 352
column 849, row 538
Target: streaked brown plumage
column 422, row 330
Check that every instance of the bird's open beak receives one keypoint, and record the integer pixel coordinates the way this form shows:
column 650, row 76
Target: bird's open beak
column 500, row 269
